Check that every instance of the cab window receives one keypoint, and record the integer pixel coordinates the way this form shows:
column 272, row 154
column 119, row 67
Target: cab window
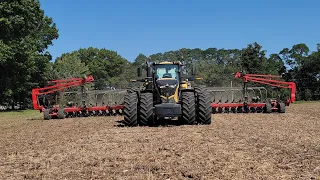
column 167, row 71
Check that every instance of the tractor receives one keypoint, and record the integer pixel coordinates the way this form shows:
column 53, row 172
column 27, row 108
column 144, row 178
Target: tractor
column 166, row 95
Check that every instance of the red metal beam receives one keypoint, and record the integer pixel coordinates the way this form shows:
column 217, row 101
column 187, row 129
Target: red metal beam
column 57, row 85
column 230, row 105
column 267, row 80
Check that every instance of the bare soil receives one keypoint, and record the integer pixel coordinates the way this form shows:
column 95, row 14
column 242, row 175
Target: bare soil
column 235, row 146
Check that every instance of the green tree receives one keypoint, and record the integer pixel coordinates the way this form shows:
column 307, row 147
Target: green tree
column 104, row 65
column 295, row 56
column 123, row 80
column 298, row 52
column 25, row 34
column 253, row 59
column 69, row 66
column 274, row 65
column 140, row 60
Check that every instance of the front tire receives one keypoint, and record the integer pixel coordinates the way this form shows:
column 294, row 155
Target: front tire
column 203, row 107
column 146, row 109
column 130, row 110
column 188, row 108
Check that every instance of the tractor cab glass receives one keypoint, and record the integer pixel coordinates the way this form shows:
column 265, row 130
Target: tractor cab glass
column 167, row 80
column 167, row 71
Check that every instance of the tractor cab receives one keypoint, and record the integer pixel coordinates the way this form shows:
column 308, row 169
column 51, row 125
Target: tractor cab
column 167, row 80
column 166, row 71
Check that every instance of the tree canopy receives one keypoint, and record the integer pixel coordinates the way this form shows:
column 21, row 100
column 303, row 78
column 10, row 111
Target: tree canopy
column 25, row 34
column 104, row 65
column 69, row 66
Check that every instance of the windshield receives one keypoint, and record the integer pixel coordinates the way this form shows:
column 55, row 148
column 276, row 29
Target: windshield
column 167, row 71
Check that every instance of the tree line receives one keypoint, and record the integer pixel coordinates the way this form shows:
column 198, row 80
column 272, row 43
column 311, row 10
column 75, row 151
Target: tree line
column 26, row 33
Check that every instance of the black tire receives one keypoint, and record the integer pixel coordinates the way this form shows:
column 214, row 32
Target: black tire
column 61, row 114
column 46, row 114
column 204, row 109
column 282, row 108
column 133, row 89
column 146, row 109
column 188, row 108
column 268, row 108
column 199, row 89
column 130, row 110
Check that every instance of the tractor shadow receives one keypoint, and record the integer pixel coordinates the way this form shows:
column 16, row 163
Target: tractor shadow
column 160, row 123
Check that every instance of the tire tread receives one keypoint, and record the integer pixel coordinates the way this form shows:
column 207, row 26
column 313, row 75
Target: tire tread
column 146, row 109
column 188, row 108
column 130, row 110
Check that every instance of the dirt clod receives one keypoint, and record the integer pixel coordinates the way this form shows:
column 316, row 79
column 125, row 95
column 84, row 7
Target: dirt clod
column 317, row 170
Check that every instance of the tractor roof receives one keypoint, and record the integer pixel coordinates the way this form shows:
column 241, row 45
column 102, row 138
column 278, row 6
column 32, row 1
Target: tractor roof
column 168, row 62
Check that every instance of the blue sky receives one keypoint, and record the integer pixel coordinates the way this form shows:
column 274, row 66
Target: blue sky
column 148, row 27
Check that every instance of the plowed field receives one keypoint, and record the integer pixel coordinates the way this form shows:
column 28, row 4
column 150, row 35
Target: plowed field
column 235, row 146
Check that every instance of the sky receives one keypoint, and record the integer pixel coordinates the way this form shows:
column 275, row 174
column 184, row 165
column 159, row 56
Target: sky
column 131, row 27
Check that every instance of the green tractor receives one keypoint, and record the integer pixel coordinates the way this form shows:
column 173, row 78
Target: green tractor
column 166, row 95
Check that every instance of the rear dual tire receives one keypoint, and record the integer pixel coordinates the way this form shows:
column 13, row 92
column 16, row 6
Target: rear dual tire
column 60, row 114
column 130, row 110
column 138, row 112
column 146, row 109
column 281, row 107
column 188, row 108
column 196, row 107
column 204, row 109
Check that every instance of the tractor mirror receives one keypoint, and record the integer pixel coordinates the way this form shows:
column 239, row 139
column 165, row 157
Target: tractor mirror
column 139, row 71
